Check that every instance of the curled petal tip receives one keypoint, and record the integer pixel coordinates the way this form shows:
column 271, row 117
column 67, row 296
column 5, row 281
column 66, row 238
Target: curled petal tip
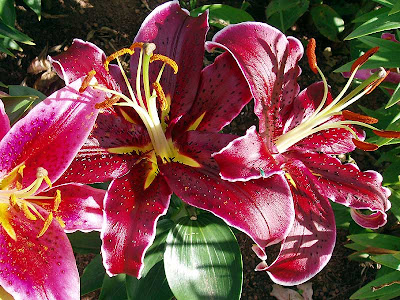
column 262, row 266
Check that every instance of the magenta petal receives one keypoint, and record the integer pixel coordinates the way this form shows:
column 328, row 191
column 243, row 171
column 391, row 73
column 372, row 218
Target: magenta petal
column 374, row 220
column 269, row 62
column 181, row 38
column 310, row 242
column 51, row 134
column 246, row 158
column 222, row 93
column 81, row 207
column 37, row 268
column 346, row 184
column 131, row 214
column 4, row 121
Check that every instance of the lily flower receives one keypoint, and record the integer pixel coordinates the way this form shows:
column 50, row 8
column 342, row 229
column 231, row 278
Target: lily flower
column 36, row 257
column 156, row 134
column 298, row 133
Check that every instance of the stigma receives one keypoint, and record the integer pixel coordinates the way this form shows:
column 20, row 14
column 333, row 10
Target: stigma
column 321, row 118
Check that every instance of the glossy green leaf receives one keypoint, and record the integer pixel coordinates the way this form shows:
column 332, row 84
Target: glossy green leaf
column 35, row 5
column 155, row 253
column 384, row 45
column 328, row 21
column 387, row 3
column 4, row 49
column 152, row 287
column 7, row 12
column 394, row 98
column 283, row 14
column 381, row 59
column 395, row 200
column 85, row 242
column 371, row 15
column 202, row 260
column 222, row 15
column 380, row 287
column 13, row 33
column 380, row 23
column 376, row 240
column 388, row 260
column 395, row 8
column 114, row 288
column 93, row 276
column 342, row 215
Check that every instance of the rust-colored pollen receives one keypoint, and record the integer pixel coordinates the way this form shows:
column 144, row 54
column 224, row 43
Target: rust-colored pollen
column 107, row 103
column 376, row 83
column 352, row 116
column 363, row 58
column 160, row 95
column 312, row 58
column 136, row 45
column 387, row 133
column 86, row 81
column 117, row 54
column 364, row 145
column 166, row 60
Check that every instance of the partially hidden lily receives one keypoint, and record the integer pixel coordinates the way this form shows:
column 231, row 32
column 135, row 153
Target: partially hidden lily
column 36, row 257
column 298, row 134
column 156, row 134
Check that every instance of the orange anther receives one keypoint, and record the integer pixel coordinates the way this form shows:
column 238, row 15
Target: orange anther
column 136, row 45
column 107, row 103
column 117, row 54
column 349, row 115
column 364, row 145
column 363, row 58
column 160, row 96
column 376, row 83
column 166, row 60
column 387, row 133
column 86, row 81
column 312, row 58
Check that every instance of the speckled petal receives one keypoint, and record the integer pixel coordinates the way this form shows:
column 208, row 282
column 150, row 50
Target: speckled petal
column 269, row 62
column 222, row 94
column 246, row 158
column 181, row 38
column 81, row 58
column 37, row 268
column 347, row 185
column 131, row 214
column 81, row 207
column 308, row 246
column 4, row 121
column 262, row 208
column 51, row 134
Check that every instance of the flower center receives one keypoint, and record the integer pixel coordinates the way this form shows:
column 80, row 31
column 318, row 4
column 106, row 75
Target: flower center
column 321, row 119
column 12, row 195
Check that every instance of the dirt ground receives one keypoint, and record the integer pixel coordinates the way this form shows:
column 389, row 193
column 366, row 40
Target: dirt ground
column 112, row 24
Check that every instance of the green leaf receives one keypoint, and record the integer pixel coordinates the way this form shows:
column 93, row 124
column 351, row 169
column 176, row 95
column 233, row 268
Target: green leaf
column 376, row 240
column 222, row 15
column 387, row 3
column 327, row 21
column 152, row 287
column 371, row 15
column 380, row 59
column 114, row 288
column 4, row 49
column 381, row 22
column 202, row 260
column 388, row 260
column 394, row 98
column 93, row 276
column 342, row 215
column 155, row 253
column 283, row 14
column 384, row 45
column 7, row 12
column 19, row 90
column 377, row 289
column 396, row 8
column 391, row 173
column 35, row 5
column 13, row 33
column 395, row 200
column 85, row 242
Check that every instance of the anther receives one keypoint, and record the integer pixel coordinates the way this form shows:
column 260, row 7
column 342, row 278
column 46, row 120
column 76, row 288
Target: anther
column 352, row 116
column 46, row 225
column 57, row 200
column 28, row 214
column 363, row 58
column 312, row 58
column 107, row 103
column 160, row 95
column 387, row 133
column 86, row 81
column 382, row 75
column 117, row 54
column 136, row 45
column 364, row 145
column 149, row 48
column 166, row 60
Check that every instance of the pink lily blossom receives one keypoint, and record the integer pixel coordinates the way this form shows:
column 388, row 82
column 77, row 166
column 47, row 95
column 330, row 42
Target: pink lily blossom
column 298, row 133
column 36, row 257
column 156, row 134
